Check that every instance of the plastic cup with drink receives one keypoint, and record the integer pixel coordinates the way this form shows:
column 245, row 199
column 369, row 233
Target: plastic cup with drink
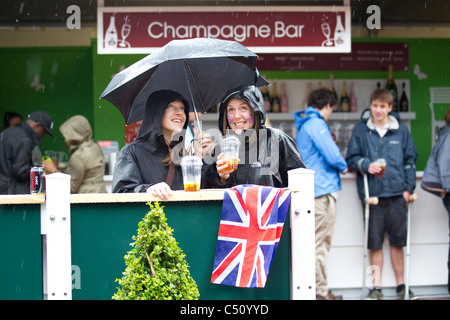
column 192, row 172
column 230, row 149
column 382, row 163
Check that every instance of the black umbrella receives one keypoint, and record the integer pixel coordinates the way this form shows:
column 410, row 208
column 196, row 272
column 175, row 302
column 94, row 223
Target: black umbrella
column 203, row 70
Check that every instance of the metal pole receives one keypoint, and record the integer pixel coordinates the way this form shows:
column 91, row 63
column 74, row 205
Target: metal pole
column 302, row 215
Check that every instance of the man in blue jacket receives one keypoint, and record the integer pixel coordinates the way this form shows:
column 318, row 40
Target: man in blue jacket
column 382, row 135
column 322, row 155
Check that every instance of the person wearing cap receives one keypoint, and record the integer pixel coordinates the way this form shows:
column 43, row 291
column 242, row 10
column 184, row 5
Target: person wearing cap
column 266, row 154
column 16, row 146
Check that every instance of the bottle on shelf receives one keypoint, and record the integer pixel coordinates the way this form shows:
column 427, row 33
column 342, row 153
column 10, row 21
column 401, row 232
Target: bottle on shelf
column 353, row 99
column 404, row 103
column 345, row 101
column 392, row 87
column 275, row 101
column 266, row 97
column 284, row 99
column 331, row 87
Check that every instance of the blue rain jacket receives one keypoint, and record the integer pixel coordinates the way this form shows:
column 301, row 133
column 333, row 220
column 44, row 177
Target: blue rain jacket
column 319, row 151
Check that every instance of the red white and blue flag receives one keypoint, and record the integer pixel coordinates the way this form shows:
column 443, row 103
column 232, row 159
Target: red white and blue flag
column 249, row 232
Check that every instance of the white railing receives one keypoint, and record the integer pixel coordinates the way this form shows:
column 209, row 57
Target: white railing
column 55, row 230
column 56, row 234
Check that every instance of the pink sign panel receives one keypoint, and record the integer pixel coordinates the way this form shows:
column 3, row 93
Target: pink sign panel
column 261, row 29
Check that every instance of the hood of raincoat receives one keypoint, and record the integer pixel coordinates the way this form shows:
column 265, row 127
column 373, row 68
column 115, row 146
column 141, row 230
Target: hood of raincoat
column 254, row 98
column 76, row 130
column 301, row 117
column 155, row 108
column 140, row 164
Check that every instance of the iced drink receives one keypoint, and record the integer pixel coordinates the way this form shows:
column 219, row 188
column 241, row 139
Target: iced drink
column 382, row 163
column 230, row 149
column 192, row 172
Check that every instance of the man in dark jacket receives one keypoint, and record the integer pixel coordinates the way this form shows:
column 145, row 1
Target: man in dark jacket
column 16, row 147
column 382, row 135
column 436, row 176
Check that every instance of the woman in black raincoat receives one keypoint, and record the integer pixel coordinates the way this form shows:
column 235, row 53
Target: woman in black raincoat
column 265, row 155
column 143, row 166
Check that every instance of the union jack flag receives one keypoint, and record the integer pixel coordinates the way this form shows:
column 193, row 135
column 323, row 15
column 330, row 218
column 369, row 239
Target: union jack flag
column 249, row 232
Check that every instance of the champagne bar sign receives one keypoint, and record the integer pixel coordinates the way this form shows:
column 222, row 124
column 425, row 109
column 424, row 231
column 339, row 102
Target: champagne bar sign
column 289, row 29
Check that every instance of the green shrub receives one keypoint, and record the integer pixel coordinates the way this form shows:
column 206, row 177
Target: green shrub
column 156, row 268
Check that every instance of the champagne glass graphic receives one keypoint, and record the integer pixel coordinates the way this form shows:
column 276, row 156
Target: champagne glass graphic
column 125, row 32
column 326, row 30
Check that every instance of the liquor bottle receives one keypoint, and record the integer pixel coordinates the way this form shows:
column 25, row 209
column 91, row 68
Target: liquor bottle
column 331, row 87
column 111, row 34
column 404, row 104
column 353, row 99
column 392, row 87
column 275, row 101
column 266, row 97
column 284, row 99
column 339, row 33
column 345, row 102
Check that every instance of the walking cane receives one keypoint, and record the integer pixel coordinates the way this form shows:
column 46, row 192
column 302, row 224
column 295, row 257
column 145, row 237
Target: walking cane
column 412, row 198
column 367, row 202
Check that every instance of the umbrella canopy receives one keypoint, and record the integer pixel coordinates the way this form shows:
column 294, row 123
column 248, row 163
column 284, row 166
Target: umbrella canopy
column 203, row 70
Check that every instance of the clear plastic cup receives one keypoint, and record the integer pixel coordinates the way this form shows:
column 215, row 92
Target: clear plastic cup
column 230, row 149
column 192, row 172
column 382, row 163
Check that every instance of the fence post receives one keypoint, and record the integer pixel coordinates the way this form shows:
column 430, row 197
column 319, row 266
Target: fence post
column 56, row 237
column 302, row 212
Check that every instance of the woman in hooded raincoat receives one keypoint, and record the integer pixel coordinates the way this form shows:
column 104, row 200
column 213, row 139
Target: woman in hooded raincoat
column 265, row 155
column 143, row 166
column 86, row 165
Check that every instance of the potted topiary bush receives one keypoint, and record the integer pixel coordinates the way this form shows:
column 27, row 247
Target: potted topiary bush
column 156, row 268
